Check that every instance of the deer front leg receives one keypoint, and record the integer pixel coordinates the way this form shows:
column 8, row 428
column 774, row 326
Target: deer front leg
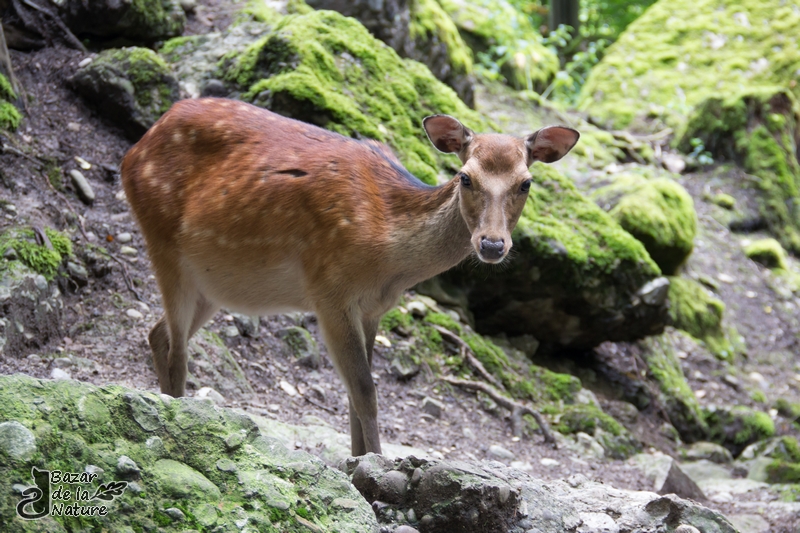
column 347, row 343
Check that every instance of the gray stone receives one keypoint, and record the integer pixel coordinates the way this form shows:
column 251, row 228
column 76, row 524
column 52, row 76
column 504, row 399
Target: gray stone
column 667, row 476
column 127, row 467
column 175, row 513
column 405, row 529
column 247, row 325
column 301, row 345
column 433, row 407
column 214, row 366
column 143, row 412
column 78, row 274
column 17, row 441
column 655, row 292
column 709, row 451
column 82, row 187
column 498, row 452
column 124, row 237
column 60, row 374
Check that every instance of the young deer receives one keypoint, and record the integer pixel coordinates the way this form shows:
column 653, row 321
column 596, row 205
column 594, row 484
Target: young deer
column 263, row 214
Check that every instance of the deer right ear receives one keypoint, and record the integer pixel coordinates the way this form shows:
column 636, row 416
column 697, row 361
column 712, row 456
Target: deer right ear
column 446, row 133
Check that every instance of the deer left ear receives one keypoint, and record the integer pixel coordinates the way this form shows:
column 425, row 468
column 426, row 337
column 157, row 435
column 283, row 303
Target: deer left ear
column 550, row 144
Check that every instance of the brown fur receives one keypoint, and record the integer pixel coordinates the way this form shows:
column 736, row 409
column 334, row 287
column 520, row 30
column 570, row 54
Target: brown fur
column 259, row 213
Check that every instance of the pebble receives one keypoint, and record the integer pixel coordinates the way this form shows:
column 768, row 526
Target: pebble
column 725, row 278
column 10, row 254
column 230, row 331
column 134, row 313
column 58, row 373
column 175, row 513
column 546, row 461
column 128, row 250
column 416, row 308
column 126, row 466
column 211, row 394
column 497, row 451
column 34, row 359
column 685, row 528
column 85, row 61
column 432, row 407
column 62, row 362
column 288, row 388
column 124, row 237
column 380, row 339
column 73, row 126
column 405, row 529
column 84, row 190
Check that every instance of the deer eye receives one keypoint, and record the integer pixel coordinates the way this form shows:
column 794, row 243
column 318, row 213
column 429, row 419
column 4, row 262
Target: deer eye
column 526, row 186
column 466, row 181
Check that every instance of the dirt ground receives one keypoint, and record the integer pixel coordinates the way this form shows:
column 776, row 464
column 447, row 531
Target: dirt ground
column 111, row 344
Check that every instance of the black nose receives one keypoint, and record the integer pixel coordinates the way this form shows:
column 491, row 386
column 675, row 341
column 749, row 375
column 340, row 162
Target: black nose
column 492, row 249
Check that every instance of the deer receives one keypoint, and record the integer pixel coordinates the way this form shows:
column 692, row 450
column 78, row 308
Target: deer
column 262, row 214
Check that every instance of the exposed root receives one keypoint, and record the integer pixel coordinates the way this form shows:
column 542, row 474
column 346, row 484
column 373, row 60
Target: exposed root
column 469, row 356
column 518, row 410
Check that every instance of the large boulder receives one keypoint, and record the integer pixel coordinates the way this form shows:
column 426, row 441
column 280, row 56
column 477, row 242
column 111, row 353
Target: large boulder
column 665, row 64
column 185, row 464
column 326, row 69
column 416, row 29
column 575, row 278
column 658, row 212
column 461, row 497
column 131, row 87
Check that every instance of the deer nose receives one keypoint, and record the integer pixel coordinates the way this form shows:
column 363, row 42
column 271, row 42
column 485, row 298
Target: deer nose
column 492, row 249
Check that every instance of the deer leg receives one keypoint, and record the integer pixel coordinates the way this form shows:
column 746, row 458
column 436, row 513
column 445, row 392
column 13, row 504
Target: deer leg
column 357, row 442
column 345, row 337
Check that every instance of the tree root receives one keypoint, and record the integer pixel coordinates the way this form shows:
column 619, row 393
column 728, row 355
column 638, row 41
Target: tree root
column 468, row 355
column 518, row 410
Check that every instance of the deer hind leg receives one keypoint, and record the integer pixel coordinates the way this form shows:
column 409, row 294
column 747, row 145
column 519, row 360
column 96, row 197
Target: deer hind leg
column 185, row 311
column 346, row 338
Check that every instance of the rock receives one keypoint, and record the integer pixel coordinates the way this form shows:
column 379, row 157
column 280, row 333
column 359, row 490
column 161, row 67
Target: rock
column 134, row 313
column 131, row 87
column 214, row 366
column 433, row 407
column 124, row 237
column 709, row 451
column 748, row 523
column 145, row 21
column 498, row 452
column 454, row 496
column 667, row 476
column 738, row 426
column 658, row 212
column 126, row 467
column 247, row 325
column 78, row 274
column 615, row 439
column 673, row 162
column 417, row 308
column 82, row 187
column 655, row 292
column 211, row 394
column 302, row 345
column 280, row 479
column 767, row 252
column 130, row 251
column 58, row 373
column 16, row 441
column 574, row 279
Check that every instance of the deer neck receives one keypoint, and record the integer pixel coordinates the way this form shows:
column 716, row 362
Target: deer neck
column 431, row 233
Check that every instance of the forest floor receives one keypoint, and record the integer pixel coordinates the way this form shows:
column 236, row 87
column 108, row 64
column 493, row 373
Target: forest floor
column 108, row 343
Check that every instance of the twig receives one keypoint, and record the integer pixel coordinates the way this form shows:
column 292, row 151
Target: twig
column 317, row 404
column 518, row 410
column 126, row 277
column 469, row 356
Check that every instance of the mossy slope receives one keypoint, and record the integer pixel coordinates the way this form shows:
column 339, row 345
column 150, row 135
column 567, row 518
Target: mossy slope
column 212, row 464
column 573, row 277
column 699, row 314
column 327, row 69
column 667, row 61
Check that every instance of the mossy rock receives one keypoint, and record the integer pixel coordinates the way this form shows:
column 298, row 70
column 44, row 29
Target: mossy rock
column 132, row 87
column 759, row 129
column 328, row 70
column 617, row 441
column 658, row 212
column 739, row 426
column 678, row 399
column 186, row 454
column 574, row 278
column 767, row 252
column 136, row 20
column 664, row 64
column 10, row 116
column 496, row 29
column 694, row 310
column 41, row 257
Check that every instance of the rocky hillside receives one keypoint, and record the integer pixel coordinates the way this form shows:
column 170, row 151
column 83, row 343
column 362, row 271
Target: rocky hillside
column 642, row 337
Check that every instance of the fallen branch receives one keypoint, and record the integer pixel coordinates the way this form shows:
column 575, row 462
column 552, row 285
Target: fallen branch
column 469, row 355
column 518, row 410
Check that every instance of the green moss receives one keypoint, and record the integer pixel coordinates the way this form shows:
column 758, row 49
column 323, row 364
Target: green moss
column 758, row 396
column 445, row 321
column 143, row 67
column 787, row 449
column 726, row 201
column 6, row 90
column 658, row 212
column 152, row 20
column 493, row 358
column 554, row 386
column 587, row 236
column 39, row 258
column 675, row 395
column 395, row 318
column 180, row 44
column 782, row 472
column 739, row 426
column 699, row 314
column 506, row 41
column 10, row 116
column 664, row 64
column 588, row 418
column 327, row 69
column 787, row 409
column 429, row 20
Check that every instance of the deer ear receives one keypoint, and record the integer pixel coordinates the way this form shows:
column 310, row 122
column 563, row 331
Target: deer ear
column 446, row 133
column 550, row 144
